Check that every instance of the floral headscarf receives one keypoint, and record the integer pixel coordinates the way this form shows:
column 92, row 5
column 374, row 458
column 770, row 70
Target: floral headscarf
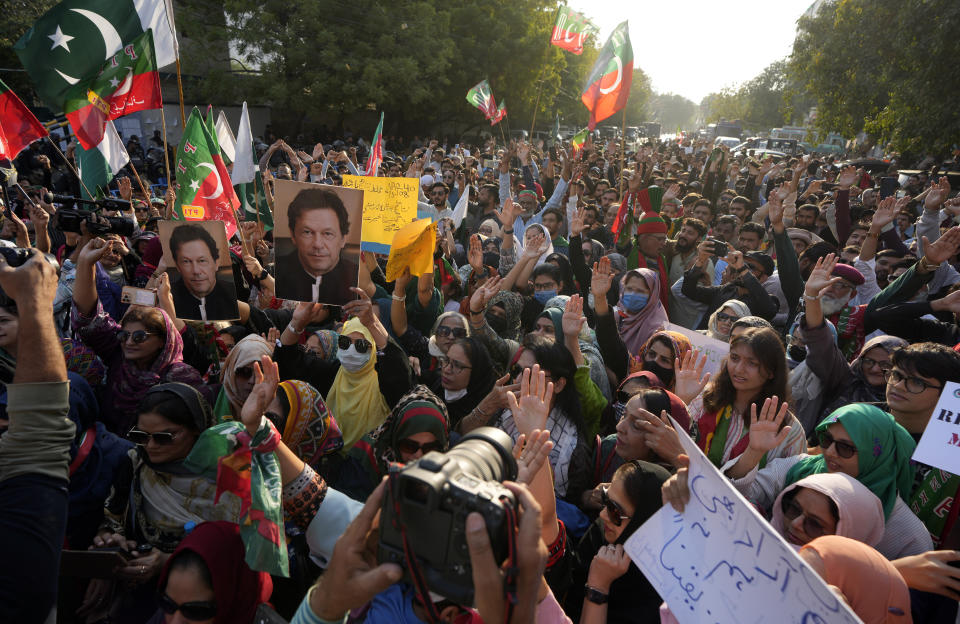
column 308, row 427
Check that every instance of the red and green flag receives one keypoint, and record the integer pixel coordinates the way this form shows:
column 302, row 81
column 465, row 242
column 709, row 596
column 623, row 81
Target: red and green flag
column 18, row 127
column 481, row 96
column 578, row 140
column 571, row 30
column 608, row 86
column 68, row 44
column 128, row 82
column 376, row 150
column 204, row 190
column 500, row 114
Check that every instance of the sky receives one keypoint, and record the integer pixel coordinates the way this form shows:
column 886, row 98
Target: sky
column 696, row 47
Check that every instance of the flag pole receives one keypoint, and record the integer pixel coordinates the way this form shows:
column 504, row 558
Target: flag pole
column 163, row 124
column 536, row 105
column 139, row 180
column 505, row 144
column 69, row 164
column 256, row 198
column 623, row 146
column 183, row 117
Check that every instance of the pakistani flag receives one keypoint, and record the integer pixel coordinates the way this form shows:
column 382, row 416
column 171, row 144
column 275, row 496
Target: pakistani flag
column 127, row 83
column 578, row 140
column 71, row 41
column 500, row 114
column 204, row 191
column 99, row 165
column 481, row 96
column 608, row 86
column 247, row 180
column 228, row 144
column 376, row 151
column 571, row 30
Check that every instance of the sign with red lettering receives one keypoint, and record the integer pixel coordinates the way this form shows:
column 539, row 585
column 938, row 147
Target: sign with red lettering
column 940, row 444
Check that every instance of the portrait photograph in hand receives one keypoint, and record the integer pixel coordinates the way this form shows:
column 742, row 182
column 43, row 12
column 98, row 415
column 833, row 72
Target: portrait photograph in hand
column 317, row 241
column 201, row 276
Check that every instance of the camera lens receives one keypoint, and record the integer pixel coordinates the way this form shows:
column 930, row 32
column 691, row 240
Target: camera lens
column 486, row 453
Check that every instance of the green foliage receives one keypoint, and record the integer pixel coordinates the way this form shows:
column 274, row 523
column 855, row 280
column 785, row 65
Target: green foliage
column 885, row 67
column 16, row 17
column 672, row 111
column 759, row 102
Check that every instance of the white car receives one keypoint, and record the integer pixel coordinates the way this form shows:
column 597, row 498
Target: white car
column 730, row 142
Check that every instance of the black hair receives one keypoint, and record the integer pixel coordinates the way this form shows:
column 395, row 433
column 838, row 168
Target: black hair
column 555, row 359
column 929, row 359
column 809, row 207
column 317, row 199
column 183, row 234
column 494, row 191
column 818, row 250
column 551, row 271
column 566, row 271
column 238, row 332
column 190, row 560
column 554, row 211
column 655, row 400
column 890, row 253
column 753, row 226
column 179, row 403
column 728, row 219
column 441, row 185
column 696, row 224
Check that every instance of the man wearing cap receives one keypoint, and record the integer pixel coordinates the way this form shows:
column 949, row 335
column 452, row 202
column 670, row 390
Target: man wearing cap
column 802, row 239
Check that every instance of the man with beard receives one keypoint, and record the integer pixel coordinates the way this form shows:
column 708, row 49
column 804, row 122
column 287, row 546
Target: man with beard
column 679, row 255
column 740, row 208
column 886, row 260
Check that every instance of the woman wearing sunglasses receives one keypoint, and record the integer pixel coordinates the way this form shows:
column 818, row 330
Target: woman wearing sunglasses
column 606, row 585
column 236, row 375
column 466, row 377
column 860, row 440
column 723, row 318
column 143, row 350
column 207, row 580
column 417, row 425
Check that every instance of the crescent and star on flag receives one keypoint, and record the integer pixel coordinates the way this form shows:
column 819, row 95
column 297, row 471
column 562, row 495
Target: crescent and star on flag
column 111, row 38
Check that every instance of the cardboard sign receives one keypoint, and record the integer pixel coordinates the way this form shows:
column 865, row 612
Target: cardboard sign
column 720, row 561
column 201, row 276
column 412, row 247
column 940, row 444
column 388, row 205
column 715, row 349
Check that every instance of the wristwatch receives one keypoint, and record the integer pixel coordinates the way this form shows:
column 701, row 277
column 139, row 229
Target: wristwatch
column 596, row 596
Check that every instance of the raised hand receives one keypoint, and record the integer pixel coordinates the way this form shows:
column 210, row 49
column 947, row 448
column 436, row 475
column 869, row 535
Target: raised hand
column 689, row 378
column 886, row 212
column 481, row 296
column 672, row 193
column 944, row 247
column 602, row 278
column 576, row 221
column 937, row 194
column 735, row 259
column 93, row 251
column 475, row 254
column 676, row 490
column 573, row 319
column 125, row 188
column 765, row 431
column 821, row 277
column 531, row 409
column 362, row 308
column 267, row 378
column 531, row 452
column 508, row 214
column 848, row 177
column 775, row 209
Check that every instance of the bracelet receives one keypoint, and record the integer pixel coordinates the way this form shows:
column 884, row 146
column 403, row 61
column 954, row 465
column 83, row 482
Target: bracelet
column 873, row 234
column 506, row 231
column 472, row 313
column 810, row 297
column 396, row 298
column 596, row 596
column 925, row 266
column 262, row 276
column 293, row 329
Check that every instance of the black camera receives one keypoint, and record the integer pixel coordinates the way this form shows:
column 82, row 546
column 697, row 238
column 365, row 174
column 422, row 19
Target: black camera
column 15, row 256
column 720, row 248
column 427, row 501
column 70, row 220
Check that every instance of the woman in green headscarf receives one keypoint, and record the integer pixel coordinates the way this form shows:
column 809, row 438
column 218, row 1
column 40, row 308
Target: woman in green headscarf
column 417, row 425
column 862, row 441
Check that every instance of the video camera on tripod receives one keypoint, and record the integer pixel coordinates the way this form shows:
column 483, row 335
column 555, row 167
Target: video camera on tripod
column 70, row 219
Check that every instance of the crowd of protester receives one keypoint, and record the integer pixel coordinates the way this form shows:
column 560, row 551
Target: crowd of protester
column 544, row 316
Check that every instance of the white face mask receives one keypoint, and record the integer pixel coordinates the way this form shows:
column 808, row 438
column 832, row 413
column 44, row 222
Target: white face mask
column 351, row 360
column 453, row 395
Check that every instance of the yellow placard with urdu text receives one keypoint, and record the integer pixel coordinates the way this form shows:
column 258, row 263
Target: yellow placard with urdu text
column 412, row 246
column 388, row 205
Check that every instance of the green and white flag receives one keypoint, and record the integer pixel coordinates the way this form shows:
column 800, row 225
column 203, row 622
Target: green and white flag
column 99, row 165
column 70, row 42
column 228, row 144
column 246, row 176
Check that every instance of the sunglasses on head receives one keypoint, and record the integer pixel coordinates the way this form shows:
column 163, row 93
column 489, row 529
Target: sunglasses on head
column 139, row 335
column 194, row 611
column 458, row 332
column 614, row 511
column 362, row 344
column 792, row 510
column 410, row 447
column 142, row 438
column 845, row 449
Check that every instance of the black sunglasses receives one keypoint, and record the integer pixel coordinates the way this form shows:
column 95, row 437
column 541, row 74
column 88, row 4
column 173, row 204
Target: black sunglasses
column 141, row 438
column 139, row 336
column 410, row 447
column 193, row 611
column 726, row 317
column 792, row 510
column 458, row 332
column 614, row 510
column 845, row 449
column 344, row 343
column 243, row 371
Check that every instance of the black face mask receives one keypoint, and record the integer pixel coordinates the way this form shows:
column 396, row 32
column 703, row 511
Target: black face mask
column 797, row 353
column 665, row 375
column 497, row 323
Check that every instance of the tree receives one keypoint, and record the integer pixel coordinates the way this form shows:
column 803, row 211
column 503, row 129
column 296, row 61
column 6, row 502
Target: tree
column 672, row 111
column 15, row 19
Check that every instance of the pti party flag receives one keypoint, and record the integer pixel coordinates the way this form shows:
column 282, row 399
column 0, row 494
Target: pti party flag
column 500, row 114
column 228, row 144
column 70, row 42
column 608, row 86
column 376, row 150
column 247, row 180
column 204, row 191
column 481, row 96
column 578, row 140
column 571, row 30
column 18, row 127
column 127, row 83
column 99, row 165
